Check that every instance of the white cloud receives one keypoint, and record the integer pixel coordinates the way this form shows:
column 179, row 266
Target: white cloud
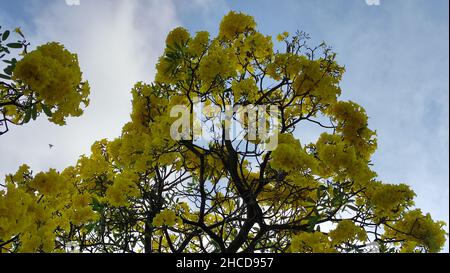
column 118, row 43
column 399, row 74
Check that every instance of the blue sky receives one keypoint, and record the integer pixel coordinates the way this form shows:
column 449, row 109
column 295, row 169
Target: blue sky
column 396, row 55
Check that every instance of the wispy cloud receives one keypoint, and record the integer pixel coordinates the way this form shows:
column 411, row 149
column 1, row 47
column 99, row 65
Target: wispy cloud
column 118, row 43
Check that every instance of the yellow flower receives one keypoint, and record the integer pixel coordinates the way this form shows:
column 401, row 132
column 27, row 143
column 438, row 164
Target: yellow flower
column 285, row 65
column 418, row 230
column 290, row 155
column 390, row 200
column 340, row 160
column 245, row 88
column 53, row 74
column 311, row 242
column 352, row 123
column 49, row 183
column 165, row 217
column 347, row 231
column 199, row 44
column 234, row 24
column 81, row 200
column 124, row 187
column 218, row 63
column 282, row 36
column 178, row 36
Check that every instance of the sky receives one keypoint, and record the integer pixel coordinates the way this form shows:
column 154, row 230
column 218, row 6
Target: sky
column 396, row 56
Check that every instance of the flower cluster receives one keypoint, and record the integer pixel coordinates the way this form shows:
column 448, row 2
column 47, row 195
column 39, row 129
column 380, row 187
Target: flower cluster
column 352, row 123
column 390, row 200
column 178, row 36
column 235, row 23
column 124, row 186
column 52, row 74
column 418, row 231
column 289, row 155
column 218, row 63
column 339, row 160
column 38, row 209
column 347, row 231
column 311, row 242
column 245, row 89
column 165, row 218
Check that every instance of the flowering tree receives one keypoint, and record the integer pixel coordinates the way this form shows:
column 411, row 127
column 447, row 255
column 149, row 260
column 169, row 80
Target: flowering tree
column 46, row 80
column 147, row 191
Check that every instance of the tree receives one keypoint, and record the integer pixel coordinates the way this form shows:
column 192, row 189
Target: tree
column 156, row 189
column 46, row 80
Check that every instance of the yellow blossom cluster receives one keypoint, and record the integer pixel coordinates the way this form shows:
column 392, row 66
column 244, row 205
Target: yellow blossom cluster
column 282, row 36
column 178, row 36
column 48, row 183
column 352, row 123
column 289, row 155
column 389, row 200
column 317, row 242
column 124, row 186
column 95, row 165
column 418, row 230
column 38, row 209
column 52, row 74
column 253, row 47
column 339, row 160
column 286, row 65
column 319, row 78
column 147, row 135
column 245, row 89
column 347, row 231
column 199, row 43
column 218, row 63
column 165, row 218
column 235, row 23
column 311, row 242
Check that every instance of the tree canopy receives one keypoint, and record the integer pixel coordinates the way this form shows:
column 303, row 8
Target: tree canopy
column 146, row 191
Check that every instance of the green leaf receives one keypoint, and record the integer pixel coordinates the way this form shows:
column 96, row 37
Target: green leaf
column 14, row 45
column 47, row 110
column 97, row 206
column 8, row 70
column 34, row 112
column 216, row 246
column 312, row 221
column 319, row 194
column 170, row 48
column 27, row 115
column 335, row 191
column 6, row 77
column 90, row 227
column 5, row 35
